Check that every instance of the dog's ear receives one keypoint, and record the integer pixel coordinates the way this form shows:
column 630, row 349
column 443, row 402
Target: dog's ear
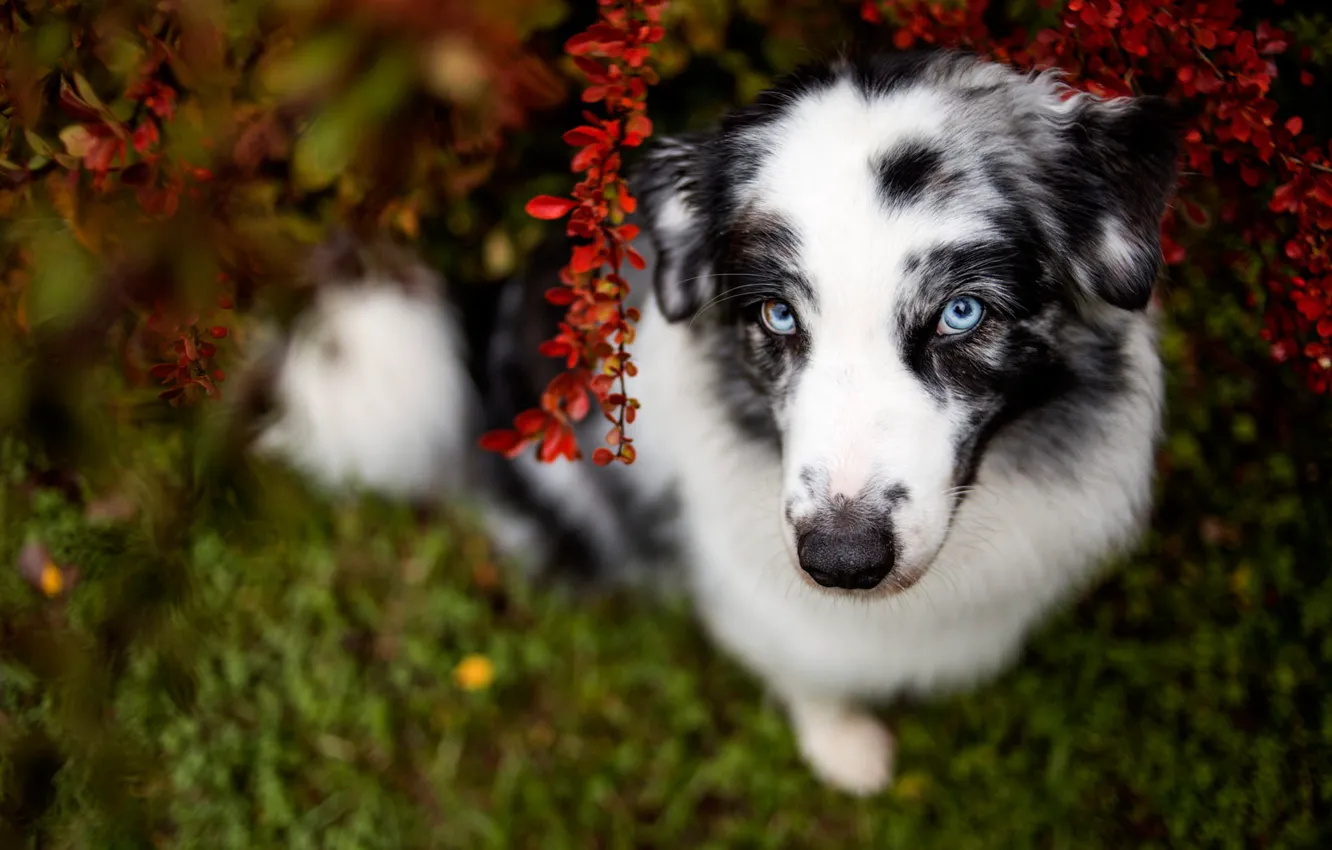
column 1112, row 181
column 671, row 184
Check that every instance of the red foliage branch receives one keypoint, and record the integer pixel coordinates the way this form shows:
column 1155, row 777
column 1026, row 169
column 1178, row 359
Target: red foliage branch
column 612, row 54
column 1194, row 52
column 102, row 145
column 193, row 347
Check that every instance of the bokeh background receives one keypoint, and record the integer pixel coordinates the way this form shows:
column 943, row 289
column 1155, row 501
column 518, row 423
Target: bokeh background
column 198, row 651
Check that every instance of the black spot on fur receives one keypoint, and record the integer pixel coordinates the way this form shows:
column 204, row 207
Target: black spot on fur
column 906, row 171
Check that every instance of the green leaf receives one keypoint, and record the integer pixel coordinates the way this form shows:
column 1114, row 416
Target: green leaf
column 86, row 91
column 63, row 280
column 315, row 64
column 329, row 145
column 326, row 148
column 37, row 143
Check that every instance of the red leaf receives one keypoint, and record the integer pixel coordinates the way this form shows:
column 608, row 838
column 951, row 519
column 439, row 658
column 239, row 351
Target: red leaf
column 580, row 136
column 561, row 296
column 638, row 128
column 548, row 207
column 1172, row 252
column 579, row 44
column 559, row 442
column 1194, row 213
column 1322, row 192
column 531, row 422
column 594, row 70
column 162, row 371
column 145, row 136
column 553, row 348
column 503, row 441
column 586, row 158
column 577, row 405
column 1295, row 124
column 1283, row 199
column 603, row 456
column 586, row 258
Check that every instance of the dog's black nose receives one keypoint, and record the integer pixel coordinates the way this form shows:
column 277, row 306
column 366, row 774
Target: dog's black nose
column 855, row 560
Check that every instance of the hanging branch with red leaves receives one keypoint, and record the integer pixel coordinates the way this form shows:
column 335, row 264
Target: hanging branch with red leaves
column 613, row 55
column 1274, row 181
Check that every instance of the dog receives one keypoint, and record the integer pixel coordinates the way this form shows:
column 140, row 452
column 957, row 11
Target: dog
column 901, row 393
column 337, row 394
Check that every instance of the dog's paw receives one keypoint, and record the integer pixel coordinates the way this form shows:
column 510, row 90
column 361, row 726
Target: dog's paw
column 847, row 748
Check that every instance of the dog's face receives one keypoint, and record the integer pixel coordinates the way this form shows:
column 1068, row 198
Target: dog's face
column 891, row 261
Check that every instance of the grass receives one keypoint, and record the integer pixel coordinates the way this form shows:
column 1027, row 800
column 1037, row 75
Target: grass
column 241, row 666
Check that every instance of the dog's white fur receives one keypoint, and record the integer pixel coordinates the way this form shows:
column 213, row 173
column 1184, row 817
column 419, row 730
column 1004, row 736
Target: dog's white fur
column 374, row 393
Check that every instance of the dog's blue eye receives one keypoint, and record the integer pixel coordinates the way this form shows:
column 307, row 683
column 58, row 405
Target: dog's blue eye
column 960, row 315
column 778, row 317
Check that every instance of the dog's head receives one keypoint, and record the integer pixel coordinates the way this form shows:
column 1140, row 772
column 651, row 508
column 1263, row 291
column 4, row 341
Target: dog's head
column 892, row 260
